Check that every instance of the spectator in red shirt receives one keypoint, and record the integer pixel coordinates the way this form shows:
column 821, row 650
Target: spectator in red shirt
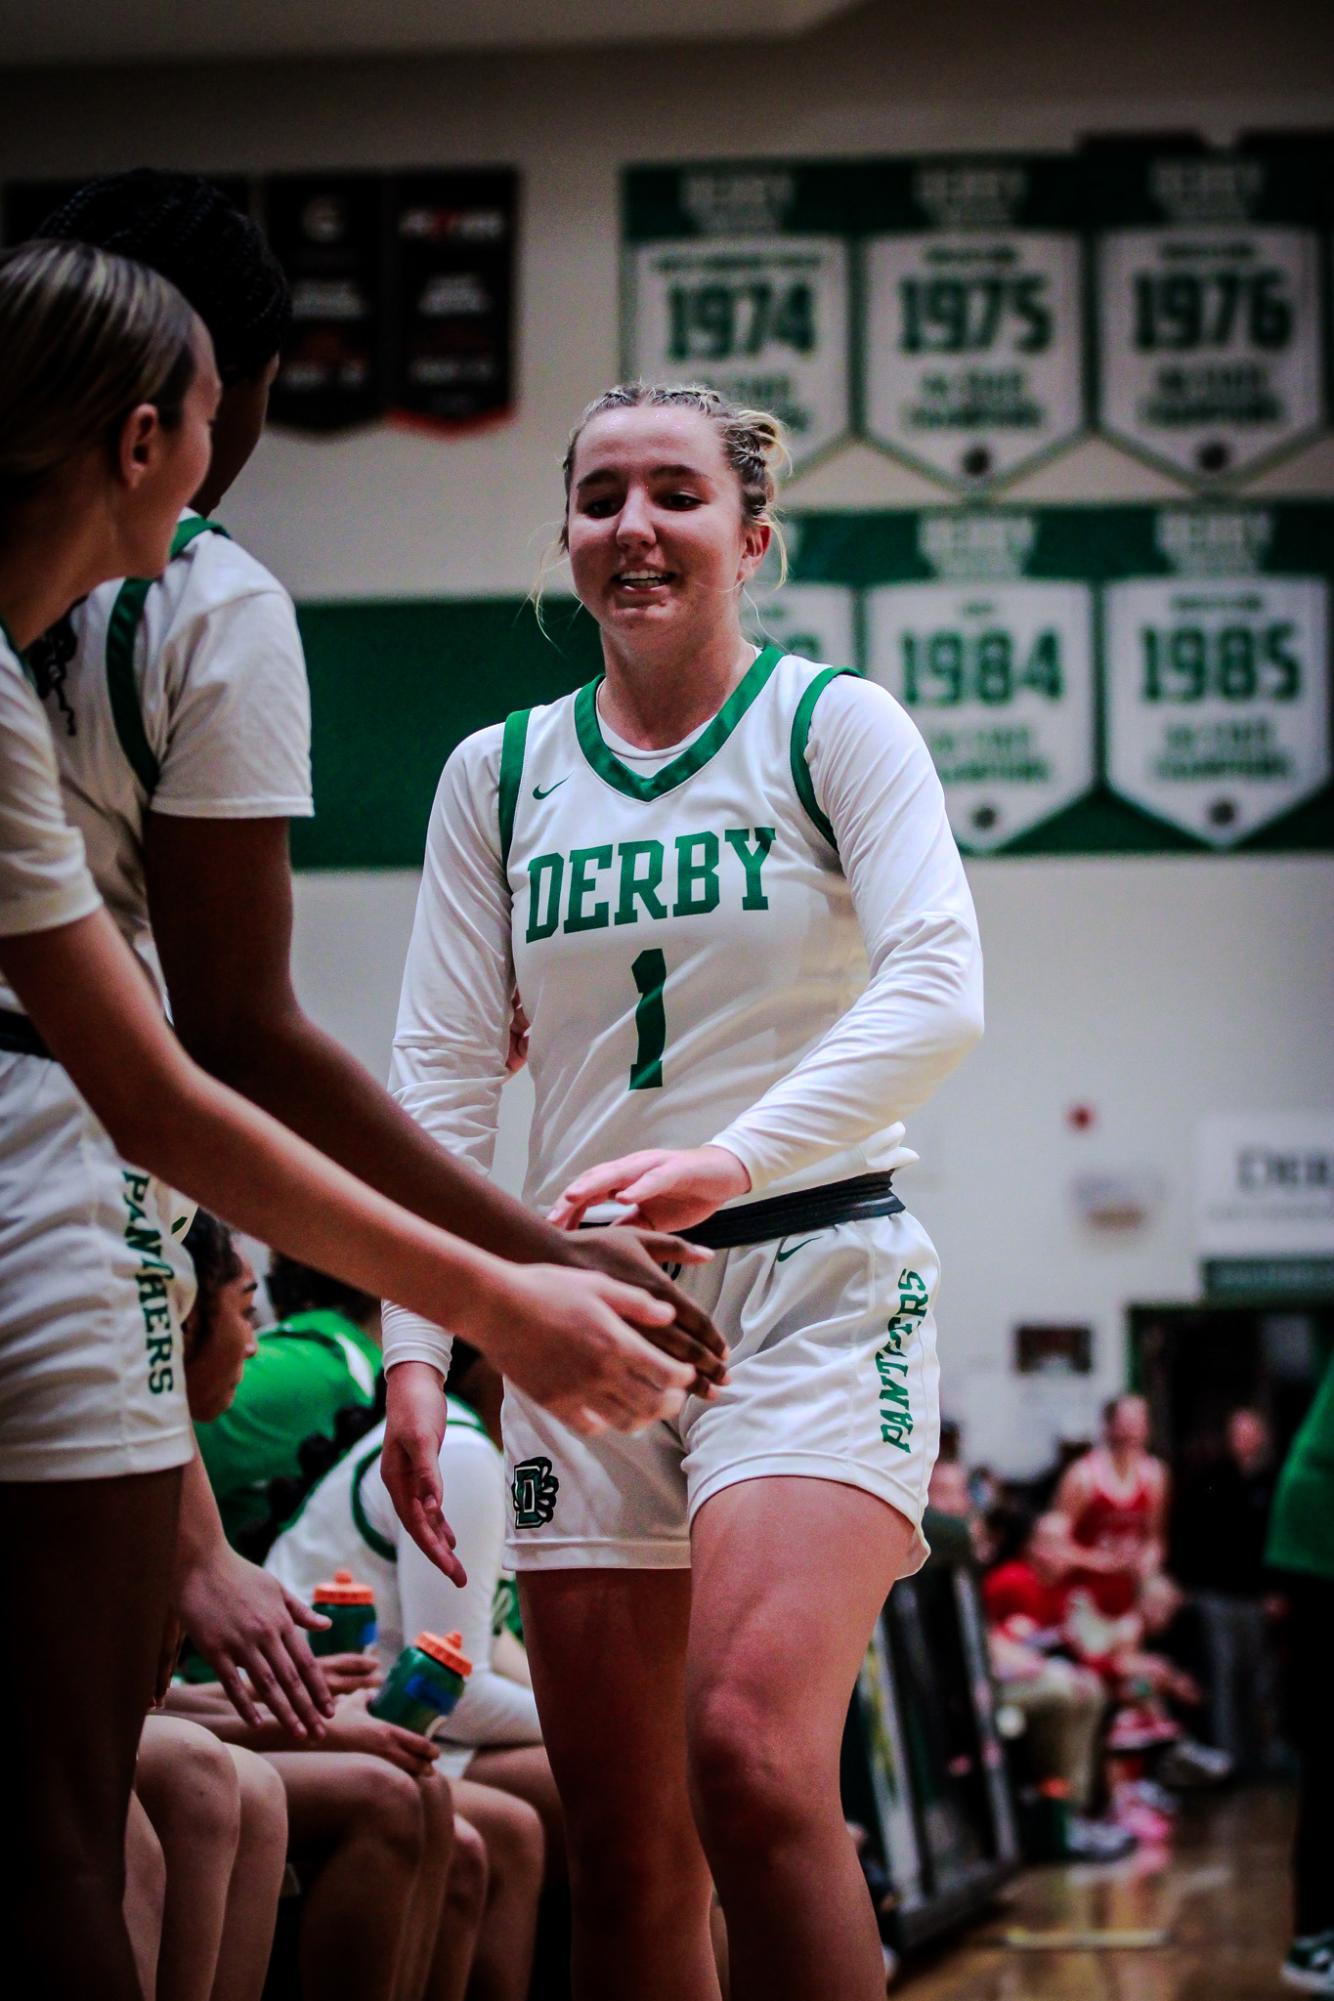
column 1062, row 1703
column 1028, row 1595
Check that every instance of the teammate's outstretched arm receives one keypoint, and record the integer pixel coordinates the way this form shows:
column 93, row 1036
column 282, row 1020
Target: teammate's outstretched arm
column 80, row 985
column 211, row 882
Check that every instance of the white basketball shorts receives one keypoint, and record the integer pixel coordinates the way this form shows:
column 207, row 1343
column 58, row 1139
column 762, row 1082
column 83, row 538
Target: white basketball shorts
column 94, row 1283
column 833, row 1375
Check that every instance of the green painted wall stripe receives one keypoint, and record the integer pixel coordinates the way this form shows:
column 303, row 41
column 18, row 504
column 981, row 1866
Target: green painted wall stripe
column 801, row 730
column 396, row 684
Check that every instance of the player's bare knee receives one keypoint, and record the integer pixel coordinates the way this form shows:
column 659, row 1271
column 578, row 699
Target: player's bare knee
column 205, row 1790
column 263, row 1807
column 437, row 1807
column 391, row 1809
column 517, row 1843
column 469, row 1873
column 746, row 1777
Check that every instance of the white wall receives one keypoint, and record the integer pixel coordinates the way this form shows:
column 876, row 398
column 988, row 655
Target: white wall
column 1157, row 991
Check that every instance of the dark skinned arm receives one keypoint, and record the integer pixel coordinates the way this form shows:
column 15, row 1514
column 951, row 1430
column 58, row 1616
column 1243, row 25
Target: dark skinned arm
column 220, row 902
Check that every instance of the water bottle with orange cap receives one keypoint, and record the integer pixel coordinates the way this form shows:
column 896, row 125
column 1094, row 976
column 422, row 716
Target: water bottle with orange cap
column 350, row 1610
column 424, row 1683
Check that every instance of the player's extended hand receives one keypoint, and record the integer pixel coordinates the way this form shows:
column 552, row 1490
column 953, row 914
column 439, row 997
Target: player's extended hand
column 354, row 1729
column 668, row 1188
column 637, row 1257
column 410, row 1462
column 249, row 1630
column 568, row 1339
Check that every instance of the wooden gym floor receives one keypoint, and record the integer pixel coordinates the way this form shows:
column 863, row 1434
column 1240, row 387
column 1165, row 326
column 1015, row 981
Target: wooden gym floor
column 1220, row 1896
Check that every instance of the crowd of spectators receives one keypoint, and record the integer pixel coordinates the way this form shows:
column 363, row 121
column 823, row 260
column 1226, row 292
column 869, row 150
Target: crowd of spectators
column 1132, row 1624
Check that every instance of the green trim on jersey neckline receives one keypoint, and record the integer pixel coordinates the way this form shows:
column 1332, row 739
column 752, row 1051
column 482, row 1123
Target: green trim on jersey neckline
column 709, row 742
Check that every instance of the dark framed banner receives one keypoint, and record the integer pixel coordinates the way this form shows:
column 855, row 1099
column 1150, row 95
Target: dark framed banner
column 404, row 292
column 452, row 294
column 327, row 231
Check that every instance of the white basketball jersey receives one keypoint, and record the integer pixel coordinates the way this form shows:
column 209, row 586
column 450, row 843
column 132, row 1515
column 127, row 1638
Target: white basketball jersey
column 187, row 695
column 680, row 939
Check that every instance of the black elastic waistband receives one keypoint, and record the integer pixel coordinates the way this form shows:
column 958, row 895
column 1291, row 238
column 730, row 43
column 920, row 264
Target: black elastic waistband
column 805, row 1209
column 19, row 1037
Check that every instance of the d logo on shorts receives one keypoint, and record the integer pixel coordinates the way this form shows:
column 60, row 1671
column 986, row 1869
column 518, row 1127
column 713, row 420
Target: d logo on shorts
column 534, row 1489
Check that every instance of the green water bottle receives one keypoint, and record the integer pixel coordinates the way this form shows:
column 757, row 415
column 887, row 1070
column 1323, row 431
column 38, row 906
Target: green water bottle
column 350, row 1609
column 424, row 1683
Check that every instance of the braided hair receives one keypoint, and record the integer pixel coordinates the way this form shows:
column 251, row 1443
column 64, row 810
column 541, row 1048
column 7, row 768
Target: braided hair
column 183, row 227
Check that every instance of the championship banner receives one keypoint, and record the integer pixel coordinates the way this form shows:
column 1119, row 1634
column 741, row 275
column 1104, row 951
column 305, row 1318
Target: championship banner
column 1217, row 651
column 327, row 232
column 1090, row 680
column 452, row 294
column 739, row 276
column 1210, row 309
column 992, row 656
column 974, row 344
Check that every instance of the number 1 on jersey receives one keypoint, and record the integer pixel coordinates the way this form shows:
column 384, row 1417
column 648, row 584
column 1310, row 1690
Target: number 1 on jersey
column 650, row 971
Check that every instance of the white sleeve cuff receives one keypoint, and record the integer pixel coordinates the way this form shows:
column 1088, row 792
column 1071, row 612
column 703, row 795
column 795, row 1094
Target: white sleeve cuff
column 407, row 1337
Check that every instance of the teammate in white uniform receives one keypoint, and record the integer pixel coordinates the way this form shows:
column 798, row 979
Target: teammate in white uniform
column 348, row 1522
column 106, row 397
column 726, row 890
column 181, row 719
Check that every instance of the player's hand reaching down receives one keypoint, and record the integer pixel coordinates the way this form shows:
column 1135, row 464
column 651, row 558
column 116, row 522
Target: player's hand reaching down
column 637, row 1257
column 568, row 1339
column 667, row 1188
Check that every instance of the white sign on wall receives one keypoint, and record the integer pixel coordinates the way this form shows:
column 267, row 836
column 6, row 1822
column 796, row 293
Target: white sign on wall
column 1265, row 1185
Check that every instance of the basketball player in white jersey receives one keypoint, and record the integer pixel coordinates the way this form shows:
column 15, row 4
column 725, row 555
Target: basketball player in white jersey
column 181, row 719
column 685, row 869
column 106, row 399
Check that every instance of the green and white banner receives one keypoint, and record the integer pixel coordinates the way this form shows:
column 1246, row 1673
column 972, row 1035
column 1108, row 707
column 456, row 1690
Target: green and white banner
column 970, row 314
column 1211, row 315
column 974, row 346
column 1091, row 679
column 739, row 277
column 1218, row 671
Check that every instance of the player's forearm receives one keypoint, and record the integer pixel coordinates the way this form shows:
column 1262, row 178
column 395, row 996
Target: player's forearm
column 876, row 1065
column 200, row 1531
column 209, row 1707
column 315, row 1086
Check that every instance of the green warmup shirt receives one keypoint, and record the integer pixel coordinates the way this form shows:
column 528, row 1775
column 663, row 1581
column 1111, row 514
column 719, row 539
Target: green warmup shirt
column 1301, row 1526
column 307, row 1371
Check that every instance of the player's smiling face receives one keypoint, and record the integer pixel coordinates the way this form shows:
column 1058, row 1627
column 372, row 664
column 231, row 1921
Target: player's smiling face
column 657, row 538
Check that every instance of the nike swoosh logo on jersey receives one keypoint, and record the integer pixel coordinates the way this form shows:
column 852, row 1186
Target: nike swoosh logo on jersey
column 780, row 1255
column 542, row 792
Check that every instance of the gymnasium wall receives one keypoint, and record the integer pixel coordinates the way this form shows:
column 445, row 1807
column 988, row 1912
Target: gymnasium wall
column 1155, row 991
